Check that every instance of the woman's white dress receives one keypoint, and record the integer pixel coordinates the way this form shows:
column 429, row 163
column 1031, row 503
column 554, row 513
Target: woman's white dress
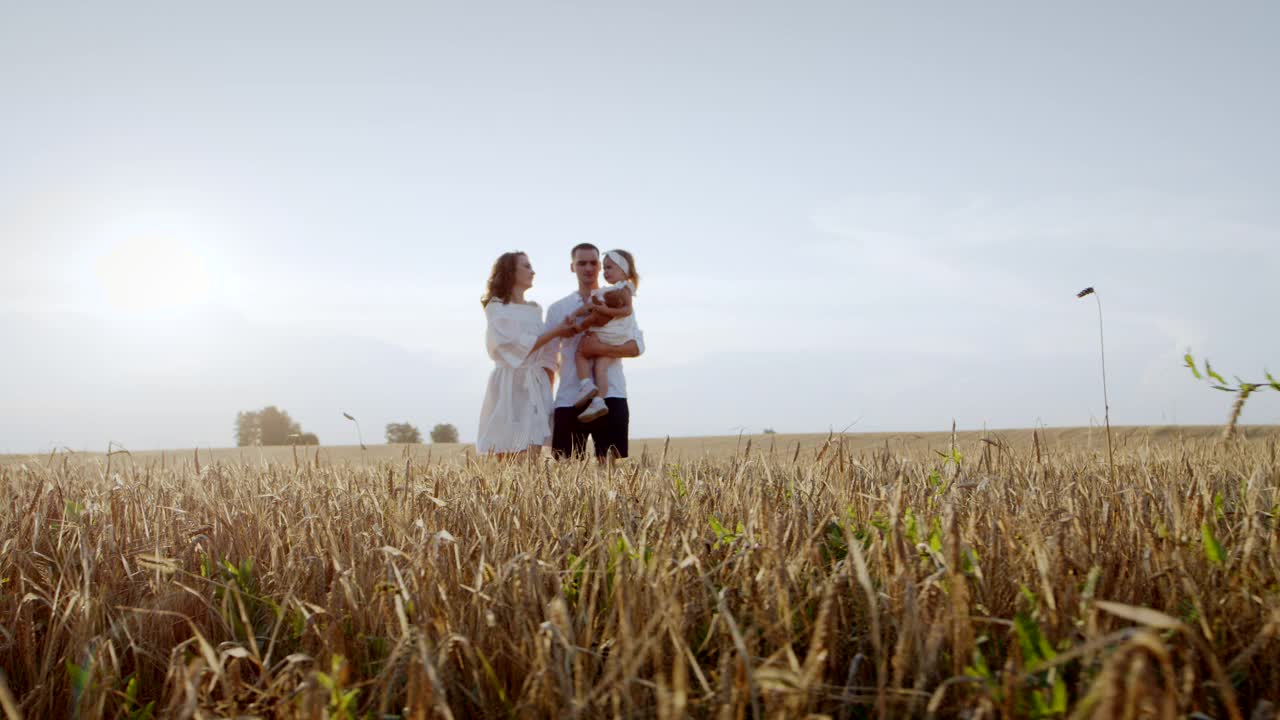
column 517, row 403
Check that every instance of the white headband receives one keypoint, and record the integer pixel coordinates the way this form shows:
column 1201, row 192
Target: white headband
column 620, row 261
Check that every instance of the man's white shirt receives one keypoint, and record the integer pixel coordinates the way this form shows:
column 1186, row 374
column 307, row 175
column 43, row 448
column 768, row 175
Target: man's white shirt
column 567, row 348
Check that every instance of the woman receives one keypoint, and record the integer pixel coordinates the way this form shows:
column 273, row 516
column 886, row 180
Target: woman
column 516, row 415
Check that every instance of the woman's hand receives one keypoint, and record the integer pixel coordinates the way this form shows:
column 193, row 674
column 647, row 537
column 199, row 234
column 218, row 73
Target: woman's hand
column 564, row 329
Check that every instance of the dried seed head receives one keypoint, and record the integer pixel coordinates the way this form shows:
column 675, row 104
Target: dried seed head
column 1086, row 291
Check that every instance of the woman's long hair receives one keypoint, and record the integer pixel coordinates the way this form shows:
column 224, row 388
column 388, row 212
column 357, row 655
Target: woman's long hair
column 501, row 278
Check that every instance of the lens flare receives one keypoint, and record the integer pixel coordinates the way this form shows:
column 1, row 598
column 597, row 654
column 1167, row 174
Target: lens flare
column 153, row 274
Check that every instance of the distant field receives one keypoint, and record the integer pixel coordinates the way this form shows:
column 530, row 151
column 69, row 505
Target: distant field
column 696, row 447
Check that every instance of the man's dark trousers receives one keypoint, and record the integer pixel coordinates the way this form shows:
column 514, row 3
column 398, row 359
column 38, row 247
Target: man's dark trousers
column 569, row 435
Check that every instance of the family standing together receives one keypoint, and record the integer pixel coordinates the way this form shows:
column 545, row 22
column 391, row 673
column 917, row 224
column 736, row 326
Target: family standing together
column 582, row 341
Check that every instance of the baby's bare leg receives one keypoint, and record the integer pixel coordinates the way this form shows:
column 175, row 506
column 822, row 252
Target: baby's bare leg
column 581, row 360
column 602, row 374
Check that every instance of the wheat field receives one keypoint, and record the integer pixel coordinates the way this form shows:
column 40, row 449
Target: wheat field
column 1005, row 574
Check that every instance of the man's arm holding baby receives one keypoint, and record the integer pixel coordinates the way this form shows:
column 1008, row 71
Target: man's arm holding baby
column 628, row 349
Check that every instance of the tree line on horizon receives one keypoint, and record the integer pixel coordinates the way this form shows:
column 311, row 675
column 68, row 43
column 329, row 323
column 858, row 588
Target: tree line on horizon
column 273, row 426
column 406, row 433
column 270, row 426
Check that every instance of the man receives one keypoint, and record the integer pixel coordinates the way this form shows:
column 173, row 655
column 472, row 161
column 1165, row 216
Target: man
column 608, row 433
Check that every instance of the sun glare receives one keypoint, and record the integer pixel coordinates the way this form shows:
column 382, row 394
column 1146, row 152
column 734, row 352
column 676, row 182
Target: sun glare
column 153, row 274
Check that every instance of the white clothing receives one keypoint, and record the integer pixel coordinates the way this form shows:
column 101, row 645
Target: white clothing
column 566, row 348
column 517, row 402
column 600, row 292
column 619, row 330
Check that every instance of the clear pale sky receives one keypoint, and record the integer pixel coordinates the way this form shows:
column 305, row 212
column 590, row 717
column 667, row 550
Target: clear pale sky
column 842, row 211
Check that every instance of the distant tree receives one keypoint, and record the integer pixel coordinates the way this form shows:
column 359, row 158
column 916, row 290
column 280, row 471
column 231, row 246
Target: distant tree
column 403, row 433
column 270, row 426
column 248, row 433
column 444, row 433
column 276, row 426
column 769, row 431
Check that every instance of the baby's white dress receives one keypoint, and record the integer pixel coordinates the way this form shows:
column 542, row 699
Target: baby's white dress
column 517, row 402
column 619, row 330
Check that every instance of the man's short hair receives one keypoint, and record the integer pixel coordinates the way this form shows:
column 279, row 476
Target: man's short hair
column 582, row 246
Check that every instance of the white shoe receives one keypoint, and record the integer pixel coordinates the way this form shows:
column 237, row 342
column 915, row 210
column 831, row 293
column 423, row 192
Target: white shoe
column 597, row 409
column 586, row 391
